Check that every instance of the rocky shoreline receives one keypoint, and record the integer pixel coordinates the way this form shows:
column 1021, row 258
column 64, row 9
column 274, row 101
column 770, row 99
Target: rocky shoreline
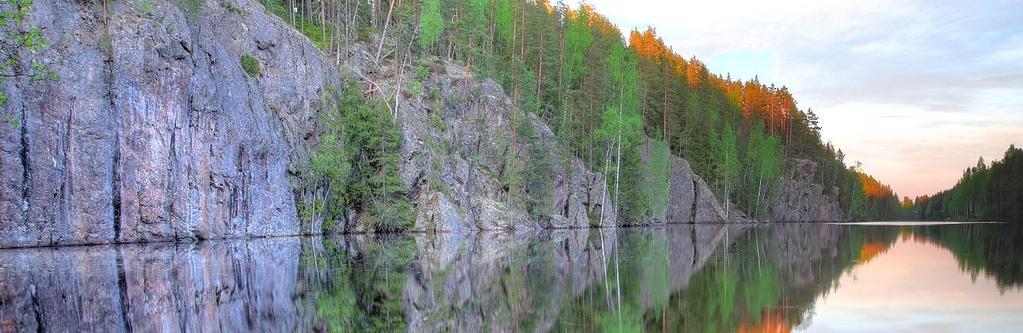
column 154, row 132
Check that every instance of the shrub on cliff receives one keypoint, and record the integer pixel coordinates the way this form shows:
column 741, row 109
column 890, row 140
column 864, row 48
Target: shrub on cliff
column 536, row 180
column 18, row 36
column 357, row 161
column 251, row 65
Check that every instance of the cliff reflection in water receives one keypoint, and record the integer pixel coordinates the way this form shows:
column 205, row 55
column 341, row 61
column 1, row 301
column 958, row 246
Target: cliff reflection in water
column 708, row 278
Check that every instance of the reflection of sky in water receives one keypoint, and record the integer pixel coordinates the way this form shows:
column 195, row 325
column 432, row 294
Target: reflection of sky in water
column 917, row 287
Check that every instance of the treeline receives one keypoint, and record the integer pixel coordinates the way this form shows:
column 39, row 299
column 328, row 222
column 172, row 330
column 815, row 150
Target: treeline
column 879, row 202
column 985, row 192
column 604, row 95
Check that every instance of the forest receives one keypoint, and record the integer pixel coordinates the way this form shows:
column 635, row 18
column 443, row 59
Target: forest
column 985, row 192
column 605, row 93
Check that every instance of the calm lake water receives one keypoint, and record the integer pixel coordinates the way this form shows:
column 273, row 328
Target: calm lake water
column 679, row 278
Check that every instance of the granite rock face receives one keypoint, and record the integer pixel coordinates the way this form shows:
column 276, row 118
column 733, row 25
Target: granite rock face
column 801, row 199
column 796, row 198
column 458, row 146
column 153, row 130
column 689, row 198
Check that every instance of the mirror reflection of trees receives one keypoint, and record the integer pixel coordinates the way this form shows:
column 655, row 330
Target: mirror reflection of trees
column 678, row 278
column 693, row 278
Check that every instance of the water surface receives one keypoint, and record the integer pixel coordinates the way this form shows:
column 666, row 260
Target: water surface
column 693, row 278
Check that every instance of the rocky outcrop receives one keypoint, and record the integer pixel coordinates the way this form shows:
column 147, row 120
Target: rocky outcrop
column 801, row 199
column 462, row 148
column 689, row 198
column 153, row 130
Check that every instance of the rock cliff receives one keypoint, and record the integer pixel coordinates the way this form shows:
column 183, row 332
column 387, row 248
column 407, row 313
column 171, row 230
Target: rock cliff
column 797, row 197
column 689, row 198
column 801, row 199
column 153, row 130
column 461, row 147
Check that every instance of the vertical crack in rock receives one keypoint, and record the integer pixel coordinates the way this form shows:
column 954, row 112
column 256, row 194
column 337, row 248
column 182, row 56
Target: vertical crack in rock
column 169, row 187
column 66, row 191
column 37, row 310
column 26, row 175
column 122, row 286
column 696, row 247
column 696, row 200
column 115, row 186
column 115, row 166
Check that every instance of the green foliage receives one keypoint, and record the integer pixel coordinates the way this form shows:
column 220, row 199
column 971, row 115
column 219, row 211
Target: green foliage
column 984, row 192
column 855, row 198
column 362, row 293
column 470, row 30
column 763, row 159
column 357, row 161
column 12, row 120
column 414, row 87
column 622, row 132
column 191, row 7
column 511, row 176
column 310, row 28
column 145, row 6
column 330, row 166
column 376, row 186
column 312, row 211
column 729, row 162
column 505, row 20
column 422, row 72
column 20, row 39
column 537, row 178
column 655, row 178
column 571, row 65
column 331, row 163
column 106, row 42
column 578, row 38
column 430, row 23
column 233, row 7
column 251, row 65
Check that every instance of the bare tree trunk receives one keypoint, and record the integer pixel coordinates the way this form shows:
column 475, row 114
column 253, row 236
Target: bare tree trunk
column 760, row 183
column 401, row 71
column 522, row 41
column 373, row 8
column 383, row 36
column 618, row 279
column 323, row 25
column 539, row 65
column 305, row 13
column 664, row 112
column 603, row 259
column 618, row 163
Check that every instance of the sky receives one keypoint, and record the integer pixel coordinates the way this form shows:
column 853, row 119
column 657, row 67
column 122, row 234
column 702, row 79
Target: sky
column 915, row 90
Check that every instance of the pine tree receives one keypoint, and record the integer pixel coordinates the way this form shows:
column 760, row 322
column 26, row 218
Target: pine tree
column 430, row 23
